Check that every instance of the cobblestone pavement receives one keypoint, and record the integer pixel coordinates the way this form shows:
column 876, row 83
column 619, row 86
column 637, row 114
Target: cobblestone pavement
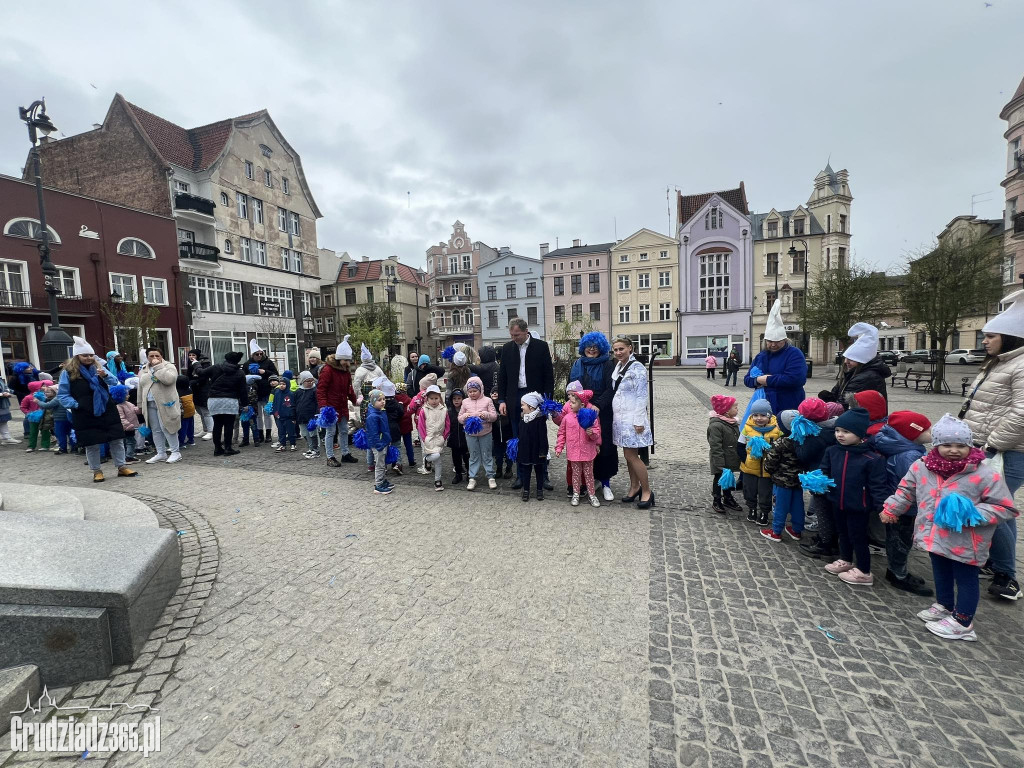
column 425, row 629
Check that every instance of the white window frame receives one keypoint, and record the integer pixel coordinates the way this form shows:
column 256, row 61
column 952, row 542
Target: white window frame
column 259, row 253
column 643, row 314
column 242, row 205
column 307, row 303
column 330, row 323
column 124, row 240
column 318, row 324
column 182, row 187
column 224, row 199
column 248, row 170
column 623, row 258
column 291, row 260
column 218, row 295
column 27, row 288
column 228, row 248
column 282, row 295
column 162, row 283
column 624, row 313
column 268, row 178
column 134, row 283
column 294, row 224
column 257, row 210
column 664, row 311
column 76, row 279
column 663, row 255
column 624, row 283
column 54, row 237
column 665, row 278
column 644, row 257
column 245, row 249
column 285, row 187
column 282, row 219
column 643, row 280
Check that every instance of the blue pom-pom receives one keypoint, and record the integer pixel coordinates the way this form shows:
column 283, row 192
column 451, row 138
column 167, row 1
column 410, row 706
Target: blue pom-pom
column 38, row 395
column 816, row 481
column 254, row 369
column 595, row 339
column 118, row 393
column 393, row 455
column 801, row 428
column 123, row 376
column 360, row 441
column 586, row 417
column 288, row 375
column 473, row 425
column 550, row 407
column 757, row 445
column 327, row 417
column 145, row 431
column 312, row 426
column 727, row 481
column 34, row 417
column 449, row 353
column 512, row 449
column 268, row 408
column 19, row 368
column 955, row 511
column 244, row 416
column 755, row 372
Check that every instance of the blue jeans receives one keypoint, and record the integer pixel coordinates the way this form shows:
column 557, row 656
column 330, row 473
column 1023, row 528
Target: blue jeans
column 948, row 573
column 789, row 502
column 329, row 433
column 62, row 431
column 129, row 447
column 312, row 438
column 480, row 450
column 407, row 439
column 1003, row 555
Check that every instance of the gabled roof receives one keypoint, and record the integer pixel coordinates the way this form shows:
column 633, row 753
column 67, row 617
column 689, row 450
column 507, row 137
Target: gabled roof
column 579, row 250
column 813, row 225
column 688, row 205
column 624, row 243
column 373, row 270
column 193, row 148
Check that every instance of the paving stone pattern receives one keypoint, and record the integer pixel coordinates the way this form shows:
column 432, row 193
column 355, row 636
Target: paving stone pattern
column 325, row 626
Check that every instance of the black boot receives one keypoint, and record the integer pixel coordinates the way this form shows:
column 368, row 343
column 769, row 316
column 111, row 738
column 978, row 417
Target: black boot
column 269, row 436
column 730, row 502
column 819, row 549
column 752, row 515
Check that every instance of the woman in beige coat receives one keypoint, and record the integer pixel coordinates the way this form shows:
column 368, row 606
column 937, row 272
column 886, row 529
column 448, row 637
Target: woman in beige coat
column 159, row 397
column 995, row 413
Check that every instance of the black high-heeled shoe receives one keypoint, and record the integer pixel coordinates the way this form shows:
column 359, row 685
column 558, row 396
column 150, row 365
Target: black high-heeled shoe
column 647, row 504
column 630, row 499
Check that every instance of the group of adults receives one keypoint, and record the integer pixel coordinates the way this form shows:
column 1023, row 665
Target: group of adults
column 994, row 407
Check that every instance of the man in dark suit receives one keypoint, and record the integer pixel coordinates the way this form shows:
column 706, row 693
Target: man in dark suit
column 525, row 367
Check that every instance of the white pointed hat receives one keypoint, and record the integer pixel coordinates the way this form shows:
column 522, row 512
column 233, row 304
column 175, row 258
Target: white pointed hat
column 81, row 347
column 774, row 330
column 344, row 350
column 865, row 347
column 254, row 347
column 364, row 354
column 1011, row 320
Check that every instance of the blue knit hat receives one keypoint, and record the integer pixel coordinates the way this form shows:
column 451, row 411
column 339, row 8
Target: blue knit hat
column 855, row 420
column 424, row 360
column 761, row 408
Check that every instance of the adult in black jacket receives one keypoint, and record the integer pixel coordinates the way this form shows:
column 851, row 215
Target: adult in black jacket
column 265, row 368
column 228, row 394
column 488, row 368
column 423, row 367
column 862, row 368
column 525, row 367
column 198, row 362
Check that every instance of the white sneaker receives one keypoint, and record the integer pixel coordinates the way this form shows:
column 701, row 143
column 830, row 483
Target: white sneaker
column 422, row 470
column 934, row 612
column 951, row 629
column 208, row 436
column 291, row 448
column 575, row 500
column 595, row 502
column 275, row 444
column 471, row 484
column 174, row 457
column 11, row 441
column 608, row 495
column 158, row 457
column 492, row 483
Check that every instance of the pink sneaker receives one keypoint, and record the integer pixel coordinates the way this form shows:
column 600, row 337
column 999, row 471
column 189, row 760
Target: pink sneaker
column 934, row 612
column 839, row 566
column 857, row 577
column 951, row 629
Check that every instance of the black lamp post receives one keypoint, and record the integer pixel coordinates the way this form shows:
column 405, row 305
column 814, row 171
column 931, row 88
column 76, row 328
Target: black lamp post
column 307, row 327
column 390, row 285
column 804, row 336
column 56, row 343
column 419, row 338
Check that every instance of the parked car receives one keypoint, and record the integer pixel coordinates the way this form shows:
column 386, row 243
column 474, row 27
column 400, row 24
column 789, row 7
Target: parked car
column 965, row 356
column 921, row 356
column 889, row 357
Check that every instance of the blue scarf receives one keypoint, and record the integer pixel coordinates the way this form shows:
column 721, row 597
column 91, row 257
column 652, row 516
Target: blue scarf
column 100, row 395
column 588, row 370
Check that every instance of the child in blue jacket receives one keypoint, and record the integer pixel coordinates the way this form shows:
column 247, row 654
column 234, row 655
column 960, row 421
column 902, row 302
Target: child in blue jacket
column 378, row 434
column 307, row 408
column 859, row 491
column 283, row 408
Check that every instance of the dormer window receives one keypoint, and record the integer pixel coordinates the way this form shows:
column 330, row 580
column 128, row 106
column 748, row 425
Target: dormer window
column 772, row 228
column 798, row 225
column 713, row 218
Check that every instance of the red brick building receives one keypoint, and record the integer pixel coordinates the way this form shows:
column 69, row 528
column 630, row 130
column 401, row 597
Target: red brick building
column 103, row 252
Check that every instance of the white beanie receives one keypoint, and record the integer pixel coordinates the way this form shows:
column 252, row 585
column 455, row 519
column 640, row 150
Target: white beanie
column 344, row 350
column 774, row 330
column 950, row 431
column 364, row 354
column 459, row 358
column 81, row 347
column 304, row 376
column 254, row 347
column 132, row 382
column 1011, row 320
column 387, row 387
column 432, row 389
column 378, row 383
column 532, row 399
column 865, row 348
column 313, row 354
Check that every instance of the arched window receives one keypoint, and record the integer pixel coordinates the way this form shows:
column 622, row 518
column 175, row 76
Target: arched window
column 132, row 246
column 30, row 229
column 456, row 317
column 227, row 246
column 469, row 317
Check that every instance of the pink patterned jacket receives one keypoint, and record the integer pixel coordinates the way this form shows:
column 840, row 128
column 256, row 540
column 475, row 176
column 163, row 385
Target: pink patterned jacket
column 923, row 489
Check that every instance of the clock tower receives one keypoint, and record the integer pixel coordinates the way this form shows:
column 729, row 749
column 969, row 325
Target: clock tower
column 451, row 280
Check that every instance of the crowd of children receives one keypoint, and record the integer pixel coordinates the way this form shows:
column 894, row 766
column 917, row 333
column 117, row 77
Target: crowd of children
column 866, row 469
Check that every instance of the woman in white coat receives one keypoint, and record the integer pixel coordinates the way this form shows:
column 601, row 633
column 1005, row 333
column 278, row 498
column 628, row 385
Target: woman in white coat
column 631, row 427
column 159, row 396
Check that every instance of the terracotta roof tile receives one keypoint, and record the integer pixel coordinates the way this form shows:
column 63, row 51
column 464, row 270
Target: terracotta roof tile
column 688, row 205
column 372, row 270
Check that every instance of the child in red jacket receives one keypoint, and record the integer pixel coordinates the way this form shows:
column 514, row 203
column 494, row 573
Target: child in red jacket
column 405, row 424
column 580, row 443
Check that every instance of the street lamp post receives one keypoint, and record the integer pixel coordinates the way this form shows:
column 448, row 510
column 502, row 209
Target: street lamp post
column 419, row 338
column 56, row 343
column 804, row 336
column 307, row 327
column 390, row 286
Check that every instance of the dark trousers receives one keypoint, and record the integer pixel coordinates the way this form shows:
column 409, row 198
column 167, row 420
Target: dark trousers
column 287, row 430
column 899, row 540
column 949, row 573
column 540, row 469
column 711, row 373
column 514, row 410
column 498, row 447
column 62, row 431
column 460, row 461
column 730, row 375
column 853, row 537
column 821, row 508
column 248, row 428
column 223, row 429
column 407, row 439
column 757, row 492
column 716, row 490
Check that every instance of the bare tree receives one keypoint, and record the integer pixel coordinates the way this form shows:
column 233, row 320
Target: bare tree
column 957, row 277
column 844, row 296
column 274, row 328
column 134, row 326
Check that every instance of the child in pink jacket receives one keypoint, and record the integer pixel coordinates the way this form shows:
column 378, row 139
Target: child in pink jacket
column 29, row 406
column 579, row 443
column 482, row 407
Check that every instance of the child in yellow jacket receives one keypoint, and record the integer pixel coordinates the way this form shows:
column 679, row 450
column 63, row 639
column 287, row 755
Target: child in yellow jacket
column 760, row 431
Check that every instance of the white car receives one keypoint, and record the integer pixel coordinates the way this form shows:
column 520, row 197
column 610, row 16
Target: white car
column 965, row 356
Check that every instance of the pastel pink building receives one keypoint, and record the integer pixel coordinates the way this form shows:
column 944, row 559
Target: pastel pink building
column 577, row 285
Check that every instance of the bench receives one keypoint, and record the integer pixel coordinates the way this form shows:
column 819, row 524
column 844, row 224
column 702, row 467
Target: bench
column 909, row 375
column 919, row 378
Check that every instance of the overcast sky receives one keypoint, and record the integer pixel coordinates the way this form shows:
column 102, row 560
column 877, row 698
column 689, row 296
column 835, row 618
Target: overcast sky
column 535, row 120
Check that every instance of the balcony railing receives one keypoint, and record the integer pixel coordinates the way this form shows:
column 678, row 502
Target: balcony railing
column 186, row 202
column 1018, row 224
column 190, row 250
column 41, row 302
column 452, row 300
column 449, row 330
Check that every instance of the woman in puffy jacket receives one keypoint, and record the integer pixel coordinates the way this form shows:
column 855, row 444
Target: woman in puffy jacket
column 994, row 411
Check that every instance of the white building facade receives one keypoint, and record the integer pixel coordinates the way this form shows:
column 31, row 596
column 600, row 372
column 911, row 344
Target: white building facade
column 510, row 286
